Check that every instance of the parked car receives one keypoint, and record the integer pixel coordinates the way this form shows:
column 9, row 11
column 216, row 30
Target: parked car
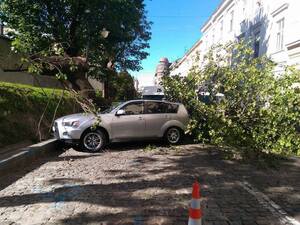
column 132, row 120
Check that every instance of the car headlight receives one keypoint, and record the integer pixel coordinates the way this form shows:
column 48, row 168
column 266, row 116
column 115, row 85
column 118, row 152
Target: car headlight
column 74, row 124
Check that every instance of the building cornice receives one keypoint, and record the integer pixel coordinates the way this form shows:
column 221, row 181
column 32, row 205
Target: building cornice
column 222, row 6
column 280, row 9
column 293, row 45
column 189, row 52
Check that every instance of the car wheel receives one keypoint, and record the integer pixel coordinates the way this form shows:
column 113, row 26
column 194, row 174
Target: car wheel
column 93, row 141
column 173, row 135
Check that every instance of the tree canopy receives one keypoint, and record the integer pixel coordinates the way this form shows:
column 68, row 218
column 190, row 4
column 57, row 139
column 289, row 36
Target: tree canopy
column 236, row 100
column 94, row 35
column 121, row 87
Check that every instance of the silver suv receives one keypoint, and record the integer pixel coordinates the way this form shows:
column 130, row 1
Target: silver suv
column 132, row 120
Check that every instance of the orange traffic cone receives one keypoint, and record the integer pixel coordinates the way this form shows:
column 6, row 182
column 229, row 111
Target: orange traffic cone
column 195, row 212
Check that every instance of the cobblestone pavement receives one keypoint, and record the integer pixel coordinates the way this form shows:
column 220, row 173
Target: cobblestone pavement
column 134, row 186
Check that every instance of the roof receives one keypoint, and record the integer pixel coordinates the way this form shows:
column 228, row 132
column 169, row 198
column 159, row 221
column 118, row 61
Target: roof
column 151, row 100
column 152, row 90
column 165, row 60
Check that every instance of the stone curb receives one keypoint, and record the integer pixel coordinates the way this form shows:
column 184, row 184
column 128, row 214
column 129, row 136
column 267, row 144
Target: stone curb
column 28, row 154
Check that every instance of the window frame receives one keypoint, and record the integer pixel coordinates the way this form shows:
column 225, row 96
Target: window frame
column 146, row 107
column 158, row 102
column 130, row 103
column 221, row 28
column 231, row 21
column 280, row 34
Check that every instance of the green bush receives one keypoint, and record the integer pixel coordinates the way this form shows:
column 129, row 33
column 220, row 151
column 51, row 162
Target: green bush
column 21, row 108
column 260, row 111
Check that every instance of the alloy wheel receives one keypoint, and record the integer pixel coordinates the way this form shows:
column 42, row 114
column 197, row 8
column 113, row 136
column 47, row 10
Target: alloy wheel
column 173, row 135
column 92, row 141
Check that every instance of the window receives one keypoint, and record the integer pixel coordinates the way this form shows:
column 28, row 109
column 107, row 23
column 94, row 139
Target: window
column 256, row 44
column 279, row 35
column 221, row 29
column 172, row 108
column 231, row 21
column 155, row 107
column 206, row 42
column 160, row 107
column 134, row 108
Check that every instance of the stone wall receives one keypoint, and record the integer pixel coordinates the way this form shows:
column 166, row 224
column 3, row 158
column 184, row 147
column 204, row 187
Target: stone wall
column 10, row 63
column 29, row 79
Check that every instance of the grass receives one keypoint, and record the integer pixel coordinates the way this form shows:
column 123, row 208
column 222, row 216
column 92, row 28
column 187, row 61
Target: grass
column 21, row 107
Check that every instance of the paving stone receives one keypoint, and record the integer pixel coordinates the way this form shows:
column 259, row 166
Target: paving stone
column 132, row 186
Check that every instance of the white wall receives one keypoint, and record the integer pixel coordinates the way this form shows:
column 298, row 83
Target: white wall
column 190, row 59
column 257, row 19
column 252, row 20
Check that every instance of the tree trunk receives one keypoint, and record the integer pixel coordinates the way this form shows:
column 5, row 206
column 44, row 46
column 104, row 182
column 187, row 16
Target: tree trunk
column 79, row 82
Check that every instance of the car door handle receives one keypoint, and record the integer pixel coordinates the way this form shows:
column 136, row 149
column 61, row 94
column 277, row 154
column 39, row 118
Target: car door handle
column 140, row 118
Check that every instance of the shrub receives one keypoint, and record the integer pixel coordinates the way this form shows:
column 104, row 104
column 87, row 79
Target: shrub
column 21, row 108
column 260, row 110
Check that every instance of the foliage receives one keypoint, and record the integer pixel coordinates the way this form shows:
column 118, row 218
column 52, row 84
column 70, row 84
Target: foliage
column 66, row 35
column 260, row 111
column 21, row 107
column 121, row 87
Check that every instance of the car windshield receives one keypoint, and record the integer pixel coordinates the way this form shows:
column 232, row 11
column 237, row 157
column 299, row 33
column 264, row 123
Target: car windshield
column 113, row 107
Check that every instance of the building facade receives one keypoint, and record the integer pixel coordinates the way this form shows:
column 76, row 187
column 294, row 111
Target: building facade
column 182, row 66
column 270, row 25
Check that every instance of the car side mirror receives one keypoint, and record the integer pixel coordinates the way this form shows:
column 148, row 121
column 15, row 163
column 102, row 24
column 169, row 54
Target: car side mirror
column 120, row 112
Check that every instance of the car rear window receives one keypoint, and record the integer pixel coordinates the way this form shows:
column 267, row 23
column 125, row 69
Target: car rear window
column 172, row 108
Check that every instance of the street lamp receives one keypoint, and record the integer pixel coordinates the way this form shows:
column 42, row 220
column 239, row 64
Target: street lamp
column 104, row 33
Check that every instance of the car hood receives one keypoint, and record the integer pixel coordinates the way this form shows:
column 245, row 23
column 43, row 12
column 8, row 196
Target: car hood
column 81, row 117
column 77, row 116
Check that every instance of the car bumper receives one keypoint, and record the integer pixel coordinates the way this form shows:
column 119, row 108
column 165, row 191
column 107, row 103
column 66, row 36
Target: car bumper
column 66, row 133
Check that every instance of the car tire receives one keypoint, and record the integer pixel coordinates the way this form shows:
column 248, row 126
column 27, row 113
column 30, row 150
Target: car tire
column 93, row 141
column 173, row 135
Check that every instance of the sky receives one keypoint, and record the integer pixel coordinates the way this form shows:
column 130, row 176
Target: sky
column 176, row 28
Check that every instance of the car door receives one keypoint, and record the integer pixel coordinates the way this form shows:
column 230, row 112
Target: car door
column 131, row 125
column 155, row 116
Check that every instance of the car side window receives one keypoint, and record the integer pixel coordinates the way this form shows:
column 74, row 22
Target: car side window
column 156, row 107
column 172, row 108
column 134, row 108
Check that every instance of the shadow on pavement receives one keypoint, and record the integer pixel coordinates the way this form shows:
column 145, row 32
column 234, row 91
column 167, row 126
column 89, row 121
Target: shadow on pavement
column 161, row 194
column 157, row 190
column 18, row 172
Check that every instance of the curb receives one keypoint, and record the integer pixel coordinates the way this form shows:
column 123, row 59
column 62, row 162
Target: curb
column 28, row 154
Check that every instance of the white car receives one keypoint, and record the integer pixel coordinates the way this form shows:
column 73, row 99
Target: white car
column 132, row 120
